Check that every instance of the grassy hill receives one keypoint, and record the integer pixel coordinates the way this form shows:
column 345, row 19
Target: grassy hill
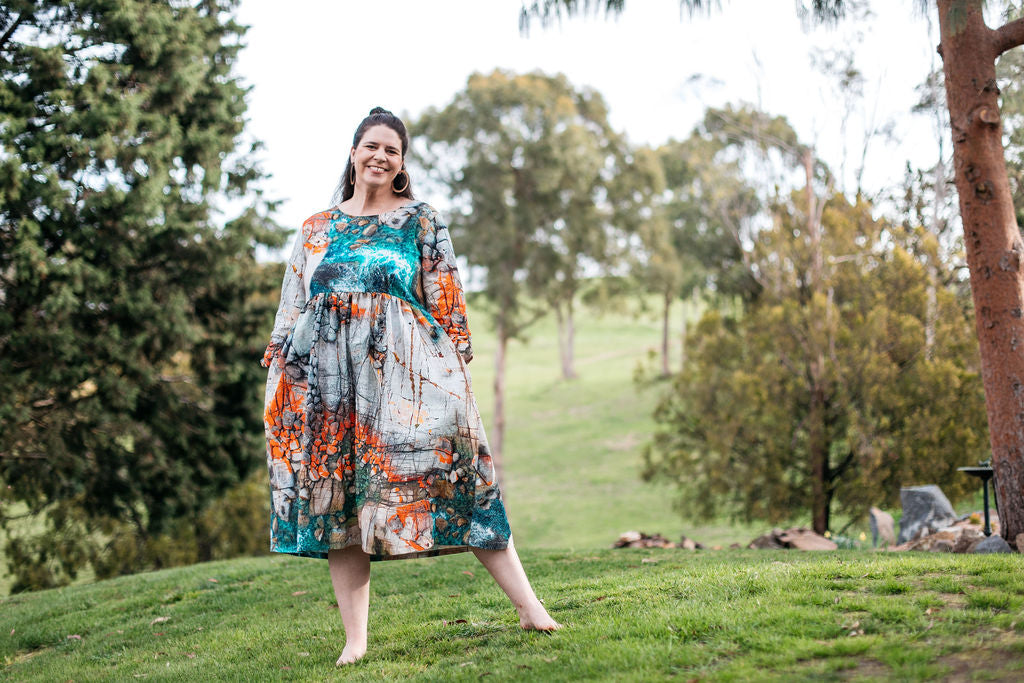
column 573, row 449
column 572, row 462
column 629, row 615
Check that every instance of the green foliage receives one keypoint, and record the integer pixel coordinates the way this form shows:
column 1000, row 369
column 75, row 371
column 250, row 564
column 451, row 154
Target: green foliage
column 630, row 615
column 525, row 160
column 133, row 311
column 735, row 430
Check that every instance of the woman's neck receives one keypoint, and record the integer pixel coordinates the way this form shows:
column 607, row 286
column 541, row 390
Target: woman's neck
column 364, row 202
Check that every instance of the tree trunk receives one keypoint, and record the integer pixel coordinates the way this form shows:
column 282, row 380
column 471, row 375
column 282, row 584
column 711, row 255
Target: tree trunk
column 565, row 340
column 817, row 436
column 665, row 309
column 992, row 238
column 682, row 336
column 497, row 442
column 817, row 447
column 568, row 361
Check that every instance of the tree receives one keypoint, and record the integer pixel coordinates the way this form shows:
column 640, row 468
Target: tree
column 132, row 315
column 524, row 159
column 816, row 397
column 969, row 50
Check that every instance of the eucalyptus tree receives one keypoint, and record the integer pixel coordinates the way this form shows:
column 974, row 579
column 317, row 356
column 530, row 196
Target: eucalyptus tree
column 525, row 159
column 131, row 318
column 995, row 250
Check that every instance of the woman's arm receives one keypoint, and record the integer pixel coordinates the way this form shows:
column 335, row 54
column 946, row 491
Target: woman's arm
column 293, row 296
column 442, row 287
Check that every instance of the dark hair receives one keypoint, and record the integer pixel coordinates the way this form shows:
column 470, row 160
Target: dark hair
column 378, row 116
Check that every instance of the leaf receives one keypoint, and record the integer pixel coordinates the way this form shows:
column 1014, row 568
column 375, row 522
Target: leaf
column 296, row 593
column 159, row 620
column 74, row 636
column 213, row 580
column 468, row 573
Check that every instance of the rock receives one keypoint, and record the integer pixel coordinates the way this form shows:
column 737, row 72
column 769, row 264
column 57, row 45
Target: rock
column 925, row 510
column 882, row 526
column 1019, row 542
column 690, row 544
column 629, row 537
column 769, row 541
column 993, row 544
column 968, row 537
column 805, row 539
column 638, row 539
column 799, row 538
column 941, row 546
column 735, row 546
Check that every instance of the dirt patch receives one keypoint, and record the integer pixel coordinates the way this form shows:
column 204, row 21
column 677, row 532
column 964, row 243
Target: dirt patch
column 963, row 666
column 866, row 668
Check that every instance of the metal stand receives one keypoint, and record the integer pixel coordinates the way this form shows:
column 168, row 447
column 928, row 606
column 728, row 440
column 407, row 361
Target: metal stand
column 984, row 473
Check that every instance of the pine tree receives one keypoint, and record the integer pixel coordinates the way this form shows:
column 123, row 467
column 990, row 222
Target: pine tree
column 131, row 310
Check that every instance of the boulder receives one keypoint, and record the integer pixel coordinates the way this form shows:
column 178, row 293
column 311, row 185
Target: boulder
column 925, row 510
column 882, row 526
column 993, row 544
column 769, row 541
column 968, row 537
column 799, row 538
column 638, row 539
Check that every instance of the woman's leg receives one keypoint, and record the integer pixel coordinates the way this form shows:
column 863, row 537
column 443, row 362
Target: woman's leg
column 350, row 574
column 508, row 573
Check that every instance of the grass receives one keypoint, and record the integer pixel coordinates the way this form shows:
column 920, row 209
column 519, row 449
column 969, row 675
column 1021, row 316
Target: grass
column 573, row 449
column 573, row 456
column 629, row 615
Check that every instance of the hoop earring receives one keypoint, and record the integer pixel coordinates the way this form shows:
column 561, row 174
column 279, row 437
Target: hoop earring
column 352, row 174
column 404, row 187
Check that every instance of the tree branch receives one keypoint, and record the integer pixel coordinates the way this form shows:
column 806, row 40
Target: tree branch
column 1009, row 36
column 10, row 31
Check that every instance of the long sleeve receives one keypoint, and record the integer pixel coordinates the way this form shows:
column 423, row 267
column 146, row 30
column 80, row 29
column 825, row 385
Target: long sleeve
column 293, row 296
column 442, row 287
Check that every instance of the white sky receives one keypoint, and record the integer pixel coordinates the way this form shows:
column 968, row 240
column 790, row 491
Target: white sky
column 317, row 67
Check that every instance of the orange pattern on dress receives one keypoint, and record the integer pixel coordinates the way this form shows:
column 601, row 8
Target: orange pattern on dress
column 284, row 440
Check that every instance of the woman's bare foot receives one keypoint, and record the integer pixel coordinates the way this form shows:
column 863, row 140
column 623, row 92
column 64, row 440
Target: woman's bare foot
column 536, row 618
column 351, row 653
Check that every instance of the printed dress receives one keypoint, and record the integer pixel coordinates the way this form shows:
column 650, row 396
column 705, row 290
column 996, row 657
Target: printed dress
column 373, row 435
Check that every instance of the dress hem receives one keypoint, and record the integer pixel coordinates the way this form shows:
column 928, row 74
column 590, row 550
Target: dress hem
column 415, row 555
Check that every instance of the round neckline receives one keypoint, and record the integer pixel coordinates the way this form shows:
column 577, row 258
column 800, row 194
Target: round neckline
column 415, row 202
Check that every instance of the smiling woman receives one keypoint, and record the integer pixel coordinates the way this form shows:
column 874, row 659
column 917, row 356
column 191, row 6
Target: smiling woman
column 375, row 445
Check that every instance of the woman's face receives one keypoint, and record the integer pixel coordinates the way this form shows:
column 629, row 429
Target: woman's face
column 377, row 158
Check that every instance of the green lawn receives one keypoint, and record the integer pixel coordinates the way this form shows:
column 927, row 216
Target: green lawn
column 573, row 448
column 629, row 615
column 573, row 455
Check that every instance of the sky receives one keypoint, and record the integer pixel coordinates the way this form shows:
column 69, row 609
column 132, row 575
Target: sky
column 316, row 68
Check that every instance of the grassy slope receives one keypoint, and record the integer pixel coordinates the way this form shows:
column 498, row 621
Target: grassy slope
column 573, row 448
column 630, row 615
column 573, row 454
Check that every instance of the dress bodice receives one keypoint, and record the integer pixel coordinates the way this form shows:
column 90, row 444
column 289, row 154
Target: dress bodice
column 367, row 254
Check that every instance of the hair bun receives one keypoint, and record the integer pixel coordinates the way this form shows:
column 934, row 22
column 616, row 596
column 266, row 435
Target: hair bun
column 379, row 110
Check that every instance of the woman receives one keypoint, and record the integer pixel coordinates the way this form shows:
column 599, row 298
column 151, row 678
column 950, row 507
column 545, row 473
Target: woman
column 374, row 443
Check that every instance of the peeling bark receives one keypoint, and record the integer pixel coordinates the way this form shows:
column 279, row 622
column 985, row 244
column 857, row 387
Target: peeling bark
column 994, row 246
